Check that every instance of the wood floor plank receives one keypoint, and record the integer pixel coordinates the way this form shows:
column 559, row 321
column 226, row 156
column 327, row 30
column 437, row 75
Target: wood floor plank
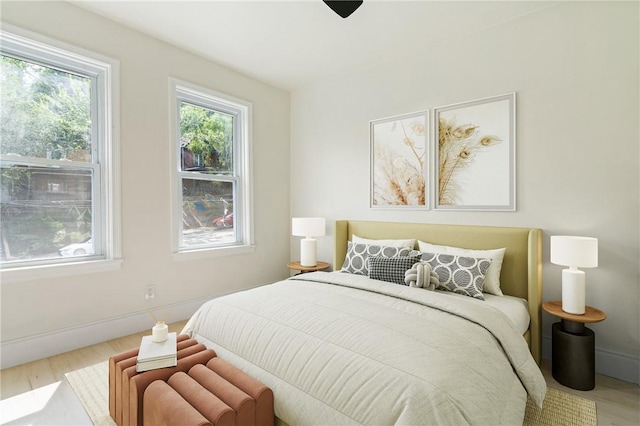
column 40, row 373
column 617, row 401
column 14, row 381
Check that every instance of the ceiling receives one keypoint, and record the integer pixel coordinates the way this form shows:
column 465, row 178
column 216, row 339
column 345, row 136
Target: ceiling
column 292, row 44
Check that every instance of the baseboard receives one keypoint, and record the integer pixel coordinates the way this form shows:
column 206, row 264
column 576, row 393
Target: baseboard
column 608, row 363
column 20, row 351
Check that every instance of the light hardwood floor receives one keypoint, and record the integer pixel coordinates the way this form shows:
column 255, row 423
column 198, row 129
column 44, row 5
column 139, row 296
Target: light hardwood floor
column 617, row 402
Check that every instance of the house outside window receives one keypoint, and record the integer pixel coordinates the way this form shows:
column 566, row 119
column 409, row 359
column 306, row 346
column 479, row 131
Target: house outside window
column 57, row 176
column 211, row 165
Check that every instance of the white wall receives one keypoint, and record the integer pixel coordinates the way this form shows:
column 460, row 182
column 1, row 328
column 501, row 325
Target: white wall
column 44, row 309
column 574, row 68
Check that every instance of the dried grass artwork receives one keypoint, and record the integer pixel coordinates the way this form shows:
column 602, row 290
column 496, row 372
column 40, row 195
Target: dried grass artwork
column 475, row 155
column 399, row 161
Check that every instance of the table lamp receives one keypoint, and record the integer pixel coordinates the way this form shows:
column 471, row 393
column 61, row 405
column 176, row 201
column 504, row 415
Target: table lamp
column 574, row 252
column 308, row 227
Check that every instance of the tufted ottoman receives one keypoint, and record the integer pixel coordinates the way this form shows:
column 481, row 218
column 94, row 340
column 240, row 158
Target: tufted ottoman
column 201, row 389
column 182, row 402
column 126, row 386
column 126, row 361
column 215, row 394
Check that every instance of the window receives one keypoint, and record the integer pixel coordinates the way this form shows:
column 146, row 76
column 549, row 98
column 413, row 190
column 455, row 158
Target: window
column 211, row 152
column 56, row 174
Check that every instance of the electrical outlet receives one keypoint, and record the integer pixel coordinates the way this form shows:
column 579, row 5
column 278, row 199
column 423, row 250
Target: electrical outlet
column 150, row 291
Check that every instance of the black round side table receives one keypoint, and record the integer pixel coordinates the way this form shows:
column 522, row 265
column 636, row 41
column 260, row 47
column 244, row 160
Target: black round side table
column 573, row 346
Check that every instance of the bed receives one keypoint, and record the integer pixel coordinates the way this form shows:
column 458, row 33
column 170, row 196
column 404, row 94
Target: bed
column 343, row 348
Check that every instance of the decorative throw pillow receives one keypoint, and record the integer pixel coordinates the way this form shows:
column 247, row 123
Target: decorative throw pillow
column 391, row 269
column 492, row 277
column 386, row 243
column 357, row 254
column 421, row 275
column 459, row 274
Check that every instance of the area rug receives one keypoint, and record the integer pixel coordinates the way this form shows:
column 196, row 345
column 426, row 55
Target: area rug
column 91, row 385
column 561, row 409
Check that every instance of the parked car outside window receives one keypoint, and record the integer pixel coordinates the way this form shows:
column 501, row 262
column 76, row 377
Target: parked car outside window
column 78, row 249
column 224, row 221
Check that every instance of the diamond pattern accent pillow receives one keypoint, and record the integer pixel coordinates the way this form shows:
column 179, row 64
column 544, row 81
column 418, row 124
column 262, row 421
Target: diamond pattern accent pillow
column 391, row 269
column 459, row 274
column 357, row 255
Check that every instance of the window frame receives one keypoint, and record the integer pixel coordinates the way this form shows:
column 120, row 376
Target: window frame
column 105, row 200
column 181, row 91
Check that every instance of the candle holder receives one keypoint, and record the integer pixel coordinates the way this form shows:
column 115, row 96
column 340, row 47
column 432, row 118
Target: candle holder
column 159, row 332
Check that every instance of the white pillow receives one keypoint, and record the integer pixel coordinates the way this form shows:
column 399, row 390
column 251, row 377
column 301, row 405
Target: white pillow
column 492, row 277
column 385, row 243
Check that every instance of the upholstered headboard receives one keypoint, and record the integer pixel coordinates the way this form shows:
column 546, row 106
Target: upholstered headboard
column 521, row 274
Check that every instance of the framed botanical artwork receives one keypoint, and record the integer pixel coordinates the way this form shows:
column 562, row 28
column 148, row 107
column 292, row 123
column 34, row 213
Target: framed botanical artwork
column 399, row 163
column 474, row 155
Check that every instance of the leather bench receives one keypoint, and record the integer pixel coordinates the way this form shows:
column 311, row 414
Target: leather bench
column 216, row 394
column 125, row 383
column 120, row 362
column 180, row 402
column 202, row 389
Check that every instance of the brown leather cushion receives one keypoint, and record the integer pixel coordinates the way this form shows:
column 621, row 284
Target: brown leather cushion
column 118, row 363
column 138, row 383
column 129, row 372
column 243, row 405
column 207, row 404
column 252, row 387
column 163, row 406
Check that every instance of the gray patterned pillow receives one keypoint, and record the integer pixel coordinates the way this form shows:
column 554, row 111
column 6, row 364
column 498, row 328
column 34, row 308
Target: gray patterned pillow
column 391, row 269
column 357, row 255
column 459, row 274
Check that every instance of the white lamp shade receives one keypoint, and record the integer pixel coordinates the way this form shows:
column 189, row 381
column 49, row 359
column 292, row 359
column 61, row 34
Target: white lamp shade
column 308, row 226
column 579, row 252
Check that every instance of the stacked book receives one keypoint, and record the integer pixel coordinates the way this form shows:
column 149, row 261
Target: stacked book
column 153, row 355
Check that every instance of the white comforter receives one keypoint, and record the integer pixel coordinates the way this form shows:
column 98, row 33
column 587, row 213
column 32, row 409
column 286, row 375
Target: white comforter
column 338, row 348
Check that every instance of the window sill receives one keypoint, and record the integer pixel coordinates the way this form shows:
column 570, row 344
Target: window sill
column 41, row 272
column 209, row 253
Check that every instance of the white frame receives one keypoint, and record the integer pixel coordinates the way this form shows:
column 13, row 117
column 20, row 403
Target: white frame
column 242, row 177
column 506, row 159
column 104, row 165
column 407, row 158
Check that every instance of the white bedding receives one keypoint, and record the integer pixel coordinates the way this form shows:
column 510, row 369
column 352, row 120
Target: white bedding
column 344, row 349
column 515, row 308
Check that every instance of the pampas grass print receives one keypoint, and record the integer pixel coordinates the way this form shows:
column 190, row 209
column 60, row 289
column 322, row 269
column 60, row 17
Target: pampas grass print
column 400, row 179
column 458, row 146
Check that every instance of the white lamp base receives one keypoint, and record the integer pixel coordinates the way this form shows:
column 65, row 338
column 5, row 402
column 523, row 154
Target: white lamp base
column 573, row 291
column 308, row 252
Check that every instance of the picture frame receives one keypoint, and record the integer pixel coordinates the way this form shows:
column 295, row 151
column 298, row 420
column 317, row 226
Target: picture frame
column 400, row 161
column 474, row 145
